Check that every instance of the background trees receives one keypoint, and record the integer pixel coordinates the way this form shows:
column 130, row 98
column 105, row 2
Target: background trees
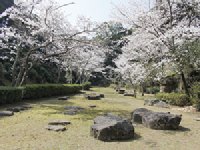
column 161, row 38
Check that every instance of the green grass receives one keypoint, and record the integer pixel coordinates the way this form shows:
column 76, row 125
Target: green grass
column 26, row 130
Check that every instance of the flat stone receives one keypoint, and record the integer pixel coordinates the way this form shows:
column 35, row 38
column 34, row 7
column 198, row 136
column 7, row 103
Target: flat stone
column 70, row 113
column 92, row 106
column 78, row 108
column 17, row 109
column 121, row 91
column 111, row 127
column 59, row 122
column 6, row 113
column 72, row 110
column 55, row 128
column 151, row 102
column 161, row 104
column 197, row 119
column 129, row 94
column 102, row 95
column 63, row 98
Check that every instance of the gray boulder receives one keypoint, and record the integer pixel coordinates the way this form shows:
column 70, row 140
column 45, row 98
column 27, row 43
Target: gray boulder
column 137, row 114
column 111, row 127
column 161, row 121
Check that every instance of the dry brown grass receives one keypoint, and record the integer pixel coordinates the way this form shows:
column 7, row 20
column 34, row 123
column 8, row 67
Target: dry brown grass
column 26, row 130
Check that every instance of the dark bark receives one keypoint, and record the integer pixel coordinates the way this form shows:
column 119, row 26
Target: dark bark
column 185, row 85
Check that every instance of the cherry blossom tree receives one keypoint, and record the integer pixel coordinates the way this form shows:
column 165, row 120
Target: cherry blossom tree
column 162, row 37
column 33, row 32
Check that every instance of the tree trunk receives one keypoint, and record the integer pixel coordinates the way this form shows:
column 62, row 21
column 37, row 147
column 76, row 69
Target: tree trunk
column 59, row 73
column 185, row 84
column 14, row 68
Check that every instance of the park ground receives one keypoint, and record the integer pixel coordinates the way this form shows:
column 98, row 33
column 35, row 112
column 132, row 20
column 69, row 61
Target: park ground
column 26, row 130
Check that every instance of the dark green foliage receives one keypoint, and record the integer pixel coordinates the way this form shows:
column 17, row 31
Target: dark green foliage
column 86, row 86
column 177, row 99
column 152, row 90
column 36, row 91
column 195, row 90
column 10, row 95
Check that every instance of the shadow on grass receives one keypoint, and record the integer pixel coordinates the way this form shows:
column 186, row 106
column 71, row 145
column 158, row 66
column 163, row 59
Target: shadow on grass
column 183, row 129
column 90, row 114
column 136, row 137
column 179, row 130
column 54, row 108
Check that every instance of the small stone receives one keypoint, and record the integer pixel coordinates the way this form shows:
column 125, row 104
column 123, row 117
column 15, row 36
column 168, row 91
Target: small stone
column 94, row 97
column 6, row 113
column 197, row 119
column 63, row 98
column 92, row 106
column 59, row 122
column 55, row 128
column 129, row 94
column 102, row 95
column 70, row 113
column 121, row 91
column 17, row 109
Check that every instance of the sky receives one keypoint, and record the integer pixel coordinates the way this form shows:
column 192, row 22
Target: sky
column 97, row 10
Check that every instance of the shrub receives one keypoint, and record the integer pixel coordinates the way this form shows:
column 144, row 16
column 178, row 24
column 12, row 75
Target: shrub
column 86, row 86
column 153, row 90
column 195, row 90
column 36, row 91
column 10, row 95
column 177, row 99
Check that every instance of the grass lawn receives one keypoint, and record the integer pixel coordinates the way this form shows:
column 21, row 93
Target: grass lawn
column 26, row 130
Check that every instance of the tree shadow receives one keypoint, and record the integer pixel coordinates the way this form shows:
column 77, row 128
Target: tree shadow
column 90, row 114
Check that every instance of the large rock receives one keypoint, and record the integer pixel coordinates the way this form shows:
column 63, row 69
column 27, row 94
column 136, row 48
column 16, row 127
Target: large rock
column 137, row 114
column 110, row 127
column 161, row 121
column 6, row 113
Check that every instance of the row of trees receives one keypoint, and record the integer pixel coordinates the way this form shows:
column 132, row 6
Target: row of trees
column 34, row 32
column 164, row 41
